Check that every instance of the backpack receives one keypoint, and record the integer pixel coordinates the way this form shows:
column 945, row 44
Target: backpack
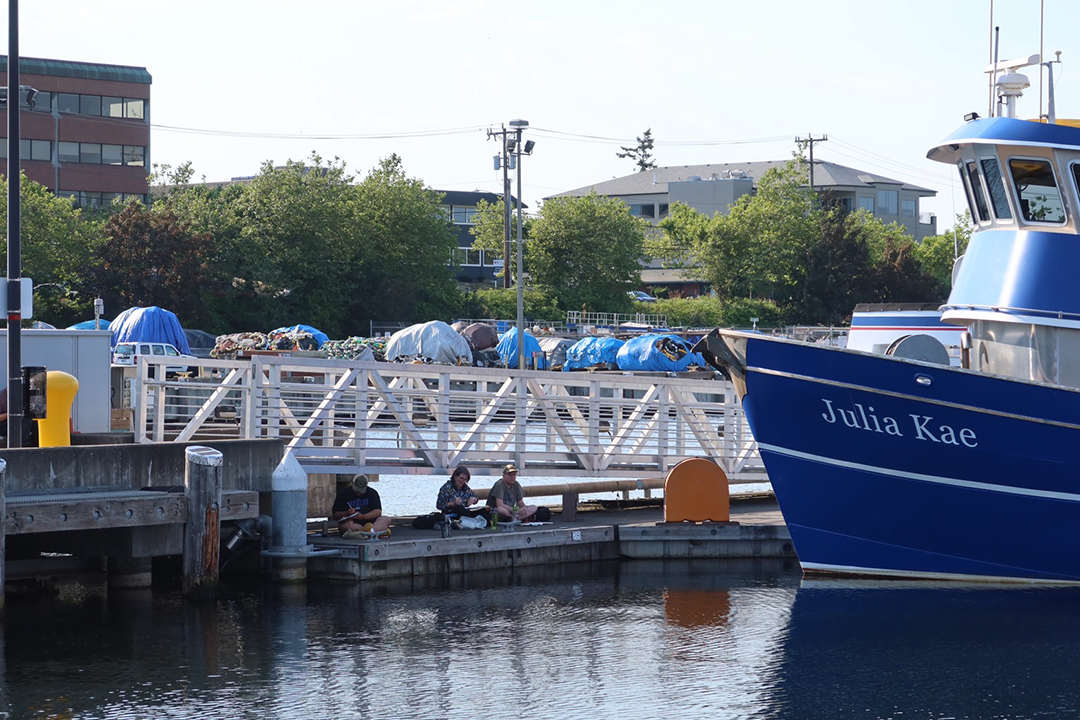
column 427, row 522
column 542, row 514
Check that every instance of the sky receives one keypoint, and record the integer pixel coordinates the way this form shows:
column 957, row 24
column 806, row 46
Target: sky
column 237, row 83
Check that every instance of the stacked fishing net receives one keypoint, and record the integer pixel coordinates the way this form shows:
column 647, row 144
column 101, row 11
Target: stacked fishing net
column 227, row 346
column 356, row 348
column 292, row 339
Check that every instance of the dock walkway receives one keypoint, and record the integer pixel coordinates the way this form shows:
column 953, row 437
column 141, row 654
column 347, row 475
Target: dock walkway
column 757, row 530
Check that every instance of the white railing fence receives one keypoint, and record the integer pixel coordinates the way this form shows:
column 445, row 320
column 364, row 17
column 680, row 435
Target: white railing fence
column 343, row 416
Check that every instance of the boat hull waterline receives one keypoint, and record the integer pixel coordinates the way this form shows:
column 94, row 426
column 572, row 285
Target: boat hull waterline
column 894, row 467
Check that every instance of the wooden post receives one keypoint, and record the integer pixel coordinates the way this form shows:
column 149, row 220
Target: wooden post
column 202, row 533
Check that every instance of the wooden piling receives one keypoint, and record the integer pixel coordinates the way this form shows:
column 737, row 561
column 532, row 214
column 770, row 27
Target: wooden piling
column 202, row 533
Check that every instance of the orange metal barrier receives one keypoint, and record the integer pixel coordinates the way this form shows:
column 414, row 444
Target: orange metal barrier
column 696, row 490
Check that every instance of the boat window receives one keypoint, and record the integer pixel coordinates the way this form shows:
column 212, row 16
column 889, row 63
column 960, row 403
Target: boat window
column 1076, row 175
column 1040, row 199
column 982, row 212
column 999, row 198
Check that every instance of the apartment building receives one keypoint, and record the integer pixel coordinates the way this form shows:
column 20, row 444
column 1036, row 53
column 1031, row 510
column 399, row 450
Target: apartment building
column 87, row 135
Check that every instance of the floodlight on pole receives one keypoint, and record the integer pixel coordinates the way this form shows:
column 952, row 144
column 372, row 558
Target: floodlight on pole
column 520, row 125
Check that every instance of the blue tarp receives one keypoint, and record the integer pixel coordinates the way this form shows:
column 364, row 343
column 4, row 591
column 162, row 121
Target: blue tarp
column 656, row 352
column 89, row 325
column 507, row 349
column 591, row 351
column 149, row 324
column 319, row 335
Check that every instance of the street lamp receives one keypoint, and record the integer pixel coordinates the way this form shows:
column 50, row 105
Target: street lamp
column 14, row 229
column 519, row 126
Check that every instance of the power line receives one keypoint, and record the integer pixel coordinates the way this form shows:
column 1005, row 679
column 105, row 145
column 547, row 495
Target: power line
column 581, row 137
column 318, row 136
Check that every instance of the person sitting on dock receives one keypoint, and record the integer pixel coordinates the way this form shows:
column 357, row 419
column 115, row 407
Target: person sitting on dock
column 358, row 511
column 507, row 496
column 457, row 498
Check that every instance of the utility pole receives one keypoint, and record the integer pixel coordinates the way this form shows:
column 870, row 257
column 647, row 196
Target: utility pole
column 810, row 140
column 14, row 227
column 503, row 160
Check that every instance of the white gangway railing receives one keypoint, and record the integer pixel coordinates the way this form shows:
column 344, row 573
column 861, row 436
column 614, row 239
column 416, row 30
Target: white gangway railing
column 339, row 416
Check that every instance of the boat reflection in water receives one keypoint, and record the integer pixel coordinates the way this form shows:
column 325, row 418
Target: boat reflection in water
column 890, row 649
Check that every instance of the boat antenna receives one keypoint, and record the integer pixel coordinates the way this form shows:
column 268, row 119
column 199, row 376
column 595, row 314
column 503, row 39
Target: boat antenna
column 1042, row 25
column 993, row 75
column 990, row 87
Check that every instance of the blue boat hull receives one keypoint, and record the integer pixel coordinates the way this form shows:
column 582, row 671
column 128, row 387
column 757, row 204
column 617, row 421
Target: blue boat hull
column 885, row 466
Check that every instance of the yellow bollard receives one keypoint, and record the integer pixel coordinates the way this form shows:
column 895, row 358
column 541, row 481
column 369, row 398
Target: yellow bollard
column 55, row 429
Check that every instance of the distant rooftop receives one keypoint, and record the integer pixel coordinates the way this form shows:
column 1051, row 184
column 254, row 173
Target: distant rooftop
column 650, row 182
column 68, row 68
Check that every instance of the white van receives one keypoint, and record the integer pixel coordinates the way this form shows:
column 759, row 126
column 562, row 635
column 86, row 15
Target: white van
column 127, row 353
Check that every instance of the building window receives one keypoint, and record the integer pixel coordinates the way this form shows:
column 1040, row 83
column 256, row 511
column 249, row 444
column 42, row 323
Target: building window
column 866, row 203
column 463, row 215
column 886, row 200
column 29, row 149
column 43, row 102
column 663, row 210
column 112, row 155
column 112, row 107
column 69, row 151
column 89, row 104
column 40, row 150
column 469, row 257
column 90, row 153
column 909, row 208
column 97, row 105
column 134, row 155
column 68, row 103
column 133, row 109
column 844, row 203
column 90, row 199
column 645, row 210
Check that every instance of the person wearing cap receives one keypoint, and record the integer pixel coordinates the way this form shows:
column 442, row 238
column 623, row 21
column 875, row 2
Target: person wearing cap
column 507, row 494
column 358, row 510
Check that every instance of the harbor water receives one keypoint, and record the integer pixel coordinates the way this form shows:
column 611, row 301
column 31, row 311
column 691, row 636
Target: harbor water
column 643, row 639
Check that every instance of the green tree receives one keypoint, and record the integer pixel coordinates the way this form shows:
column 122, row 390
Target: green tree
column 489, row 234
column 641, row 153
column 152, row 258
column 759, row 247
column 587, row 250
column 938, row 254
column 835, row 270
column 58, row 246
column 408, row 247
column 297, row 246
column 501, row 303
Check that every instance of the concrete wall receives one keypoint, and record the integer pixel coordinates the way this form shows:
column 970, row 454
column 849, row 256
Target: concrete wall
column 248, row 465
column 82, row 353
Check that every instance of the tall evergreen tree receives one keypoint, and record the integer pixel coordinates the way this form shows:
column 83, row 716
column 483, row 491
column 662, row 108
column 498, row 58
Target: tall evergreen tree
column 641, row 154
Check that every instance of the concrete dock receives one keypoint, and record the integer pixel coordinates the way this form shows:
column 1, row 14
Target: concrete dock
column 756, row 530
